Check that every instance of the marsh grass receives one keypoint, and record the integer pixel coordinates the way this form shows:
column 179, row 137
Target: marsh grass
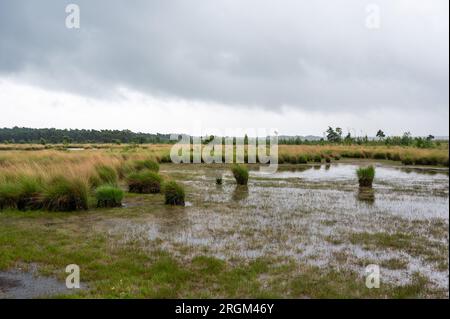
column 240, row 173
column 174, row 194
column 65, row 195
column 144, row 182
column 146, row 164
column 9, row 194
column 109, row 196
column 107, row 174
column 365, row 176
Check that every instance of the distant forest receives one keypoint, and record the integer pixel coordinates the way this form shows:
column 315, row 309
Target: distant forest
column 23, row 135
column 53, row 136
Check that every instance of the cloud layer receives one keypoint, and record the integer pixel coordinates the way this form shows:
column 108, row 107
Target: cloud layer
column 310, row 55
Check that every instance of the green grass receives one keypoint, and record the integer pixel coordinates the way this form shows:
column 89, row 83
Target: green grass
column 112, row 268
column 144, row 182
column 109, row 196
column 174, row 194
column 240, row 173
column 366, row 176
column 146, row 165
column 107, row 174
column 64, row 194
column 9, row 194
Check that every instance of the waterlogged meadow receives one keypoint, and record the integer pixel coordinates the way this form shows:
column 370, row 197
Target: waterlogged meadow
column 156, row 229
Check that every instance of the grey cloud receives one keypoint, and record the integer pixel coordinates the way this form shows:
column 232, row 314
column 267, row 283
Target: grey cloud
column 314, row 55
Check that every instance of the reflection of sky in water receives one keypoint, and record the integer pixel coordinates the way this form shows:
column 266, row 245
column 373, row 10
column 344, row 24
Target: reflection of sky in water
column 348, row 172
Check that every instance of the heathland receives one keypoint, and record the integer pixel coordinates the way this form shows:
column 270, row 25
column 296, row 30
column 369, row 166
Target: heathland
column 140, row 226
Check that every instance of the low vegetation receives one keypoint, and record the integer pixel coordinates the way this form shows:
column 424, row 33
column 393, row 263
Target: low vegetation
column 240, row 173
column 366, row 176
column 109, row 196
column 65, row 195
column 144, row 182
column 174, row 194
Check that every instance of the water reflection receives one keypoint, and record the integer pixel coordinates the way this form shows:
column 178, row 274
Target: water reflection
column 240, row 193
column 366, row 194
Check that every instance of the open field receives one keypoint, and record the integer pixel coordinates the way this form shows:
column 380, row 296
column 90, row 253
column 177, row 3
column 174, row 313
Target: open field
column 307, row 231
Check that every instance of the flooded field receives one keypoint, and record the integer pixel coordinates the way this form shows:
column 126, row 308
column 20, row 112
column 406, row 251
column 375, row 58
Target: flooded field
column 313, row 214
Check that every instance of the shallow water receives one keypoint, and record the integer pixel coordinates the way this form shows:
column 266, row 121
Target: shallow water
column 26, row 285
column 294, row 213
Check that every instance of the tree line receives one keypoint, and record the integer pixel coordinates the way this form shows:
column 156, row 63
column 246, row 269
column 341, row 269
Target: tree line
column 55, row 136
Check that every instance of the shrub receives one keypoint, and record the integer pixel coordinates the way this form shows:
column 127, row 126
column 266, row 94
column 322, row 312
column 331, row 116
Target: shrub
column 240, row 173
column 365, row 176
column 109, row 196
column 9, row 194
column 63, row 194
column 301, row 159
column 144, row 182
column 219, row 181
column 146, row 164
column 174, row 194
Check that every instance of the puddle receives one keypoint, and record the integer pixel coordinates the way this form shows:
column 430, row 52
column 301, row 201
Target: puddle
column 294, row 213
column 26, row 285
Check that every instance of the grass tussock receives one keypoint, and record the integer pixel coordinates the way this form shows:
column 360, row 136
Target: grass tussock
column 144, row 182
column 174, row 194
column 365, row 176
column 147, row 164
column 240, row 173
column 64, row 195
column 109, row 196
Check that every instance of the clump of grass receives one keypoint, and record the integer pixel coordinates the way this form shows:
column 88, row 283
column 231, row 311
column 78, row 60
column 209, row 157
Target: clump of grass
column 144, row 182
column 174, row 194
column 357, row 154
column 365, row 176
column 66, row 194
column 317, row 158
column 219, row 181
column 9, row 194
column 165, row 158
column 407, row 160
column 146, row 164
column 292, row 159
column 302, row 159
column 109, row 196
column 31, row 188
column 240, row 173
column 380, row 155
column 328, row 159
column 106, row 175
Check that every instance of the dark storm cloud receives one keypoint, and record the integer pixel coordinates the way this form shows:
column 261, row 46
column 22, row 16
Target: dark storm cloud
column 314, row 55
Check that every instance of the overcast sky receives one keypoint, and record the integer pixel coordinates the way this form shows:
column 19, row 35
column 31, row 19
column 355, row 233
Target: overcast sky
column 175, row 65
